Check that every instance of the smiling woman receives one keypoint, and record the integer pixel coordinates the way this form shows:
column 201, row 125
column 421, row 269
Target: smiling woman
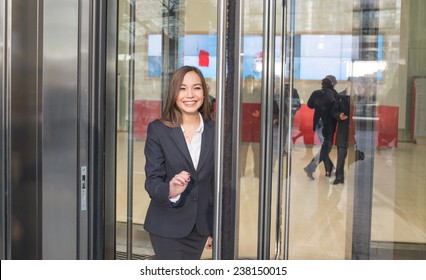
column 190, row 97
column 187, row 84
column 179, row 169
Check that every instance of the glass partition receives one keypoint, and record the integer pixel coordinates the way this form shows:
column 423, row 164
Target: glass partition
column 250, row 127
column 370, row 215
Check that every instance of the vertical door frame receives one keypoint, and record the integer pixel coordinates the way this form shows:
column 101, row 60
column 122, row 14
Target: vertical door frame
column 237, row 118
column 266, row 144
column 108, row 40
column 85, row 52
column 5, row 252
column 220, row 123
column 292, row 29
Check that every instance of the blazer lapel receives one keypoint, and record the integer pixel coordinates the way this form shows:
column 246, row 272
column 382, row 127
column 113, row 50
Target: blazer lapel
column 206, row 143
column 179, row 139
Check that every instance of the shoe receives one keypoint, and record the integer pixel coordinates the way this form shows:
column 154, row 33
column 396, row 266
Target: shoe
column 338, row 181
column 309, row 173
column 328, row 174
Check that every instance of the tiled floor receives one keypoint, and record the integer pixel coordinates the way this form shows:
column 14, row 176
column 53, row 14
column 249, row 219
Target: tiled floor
column 319, row 211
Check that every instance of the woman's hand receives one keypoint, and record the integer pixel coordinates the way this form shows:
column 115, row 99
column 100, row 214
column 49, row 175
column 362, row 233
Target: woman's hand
column 209, row 243
column 178, row 184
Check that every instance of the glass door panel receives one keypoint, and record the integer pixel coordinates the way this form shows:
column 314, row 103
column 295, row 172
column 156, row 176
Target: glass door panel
column 155, row 38
column 370, row 215
column 260, row 131
column 249, row 146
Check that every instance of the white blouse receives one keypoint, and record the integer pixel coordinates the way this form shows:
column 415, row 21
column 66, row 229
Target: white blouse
column 195, row 146
column 194, row 149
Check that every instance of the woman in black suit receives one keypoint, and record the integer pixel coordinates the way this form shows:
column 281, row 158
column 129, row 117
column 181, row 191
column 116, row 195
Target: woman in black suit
column 179, row 169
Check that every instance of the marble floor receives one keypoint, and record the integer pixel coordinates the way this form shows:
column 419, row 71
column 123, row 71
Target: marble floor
column 320, row 213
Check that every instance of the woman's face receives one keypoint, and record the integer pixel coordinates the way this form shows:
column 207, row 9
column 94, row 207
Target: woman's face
column 191, row 96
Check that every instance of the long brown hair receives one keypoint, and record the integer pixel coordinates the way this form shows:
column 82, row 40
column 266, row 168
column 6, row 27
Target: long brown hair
column 172, row 116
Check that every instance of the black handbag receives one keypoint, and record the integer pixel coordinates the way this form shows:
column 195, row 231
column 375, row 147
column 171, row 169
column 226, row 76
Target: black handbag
column 359, row 155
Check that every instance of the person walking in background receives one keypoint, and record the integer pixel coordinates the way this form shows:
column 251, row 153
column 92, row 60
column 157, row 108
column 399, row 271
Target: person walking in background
column 294, row 106
column 333, row 83
column 345, row 134
column 324, row 125
column 341, row 112
column 179, row 169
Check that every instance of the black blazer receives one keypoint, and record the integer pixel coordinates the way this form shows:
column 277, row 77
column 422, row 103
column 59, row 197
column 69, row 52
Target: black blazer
column 322, row 101
column 342, row 104
column 166, row 155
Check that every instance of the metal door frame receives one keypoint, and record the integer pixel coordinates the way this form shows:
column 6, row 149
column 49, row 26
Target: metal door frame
column 4, row 113
column 266, row 145
column 266, row 142
column 51, row 101
column 109, row 39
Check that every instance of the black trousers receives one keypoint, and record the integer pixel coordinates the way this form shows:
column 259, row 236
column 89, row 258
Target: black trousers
column 324, row 154
column 340, row 166
column 189, row 247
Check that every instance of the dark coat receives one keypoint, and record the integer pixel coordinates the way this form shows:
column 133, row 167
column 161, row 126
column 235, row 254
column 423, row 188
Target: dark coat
column 342, row 105
column 166, row 155
column 322, row 101
column 295, row 101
